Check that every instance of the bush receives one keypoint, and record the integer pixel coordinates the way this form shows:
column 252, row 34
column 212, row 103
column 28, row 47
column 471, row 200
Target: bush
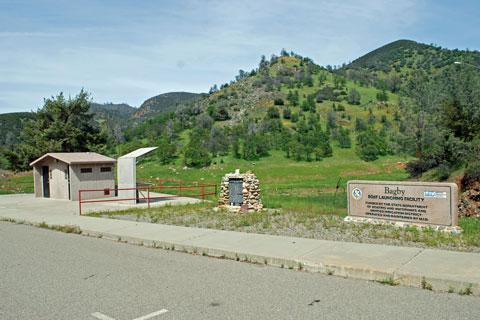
column 370, row 145
column 196, row 157
column 415, row 168
column 278, row 102
column 273, row 113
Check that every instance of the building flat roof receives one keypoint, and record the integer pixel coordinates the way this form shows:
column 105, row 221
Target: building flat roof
column 76, row 157
column 139, row 152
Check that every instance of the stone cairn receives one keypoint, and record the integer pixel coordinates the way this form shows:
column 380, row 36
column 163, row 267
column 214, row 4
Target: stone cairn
column 251, row 192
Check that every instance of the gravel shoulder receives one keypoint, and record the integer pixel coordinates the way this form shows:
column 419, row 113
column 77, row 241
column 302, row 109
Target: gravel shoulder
column 305, row 225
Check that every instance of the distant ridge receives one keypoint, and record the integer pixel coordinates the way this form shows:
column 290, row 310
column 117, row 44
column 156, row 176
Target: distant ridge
column 112, row 110
column 386, row 53
column 162, row 103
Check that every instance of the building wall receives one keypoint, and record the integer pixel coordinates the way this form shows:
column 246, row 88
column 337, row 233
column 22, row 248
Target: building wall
column 57, row 178
column 95, row 180
column 37, row 181
column 127, row 178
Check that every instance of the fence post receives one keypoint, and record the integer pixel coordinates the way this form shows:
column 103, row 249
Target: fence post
column 8, row 188
column 215, row 190
column 80, row 201
column 180, row 188
column 203, row 192
column 148, row 190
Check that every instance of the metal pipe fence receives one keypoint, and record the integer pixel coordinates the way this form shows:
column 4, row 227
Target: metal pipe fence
column 199, row 190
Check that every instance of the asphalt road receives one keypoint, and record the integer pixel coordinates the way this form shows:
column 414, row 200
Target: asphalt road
column 51, row 275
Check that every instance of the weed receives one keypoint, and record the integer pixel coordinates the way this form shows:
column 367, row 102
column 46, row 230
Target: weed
column 172, row 247
column 204, row 253
column 141, row 243
column 99, row 236
column 237, row 258
column 451, row 289
column 300, row 266
column 265, row 261
column 467, row 292
column 119, row 239
column 282, row 266
column 43, row 225
column 330, row 272
column 290, row 267
column 390, row 281
column 426, row 285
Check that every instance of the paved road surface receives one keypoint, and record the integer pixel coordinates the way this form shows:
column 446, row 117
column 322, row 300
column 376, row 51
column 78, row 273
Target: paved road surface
column 50, row 275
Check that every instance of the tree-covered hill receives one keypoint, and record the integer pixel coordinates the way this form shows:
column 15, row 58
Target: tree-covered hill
column 11, row 125
column 162, row 103
column 112, row 110
column 405, row 99
column 397, row 60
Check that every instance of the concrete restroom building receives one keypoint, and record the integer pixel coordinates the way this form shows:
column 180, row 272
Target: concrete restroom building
column 62, row 175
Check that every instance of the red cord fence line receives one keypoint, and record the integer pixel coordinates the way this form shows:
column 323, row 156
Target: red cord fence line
column 197, row 187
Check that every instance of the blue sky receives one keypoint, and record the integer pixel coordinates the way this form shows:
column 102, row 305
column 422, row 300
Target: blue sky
column 128, row 51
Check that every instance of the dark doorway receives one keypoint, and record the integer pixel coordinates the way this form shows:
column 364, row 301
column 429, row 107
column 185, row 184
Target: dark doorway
column 46, row 182
column 236, row 192
column 68, row 181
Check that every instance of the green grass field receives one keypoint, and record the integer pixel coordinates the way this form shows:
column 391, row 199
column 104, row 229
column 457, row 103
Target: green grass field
column 297, row 186
column 18, row 184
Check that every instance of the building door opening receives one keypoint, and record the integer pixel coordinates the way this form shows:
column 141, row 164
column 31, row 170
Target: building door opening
column 68, row 181
column 46, row 182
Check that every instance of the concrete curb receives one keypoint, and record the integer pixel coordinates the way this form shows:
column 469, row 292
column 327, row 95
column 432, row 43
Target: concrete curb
column 408, row 266
column 404, row 275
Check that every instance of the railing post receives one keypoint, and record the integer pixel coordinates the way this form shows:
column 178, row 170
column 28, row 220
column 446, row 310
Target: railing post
column 80, row 201
column 148, row 190
column 215, row 190
column 180, row 188
column 203, row 192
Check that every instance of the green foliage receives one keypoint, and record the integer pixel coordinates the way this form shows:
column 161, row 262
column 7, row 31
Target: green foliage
column 278, row 102
column 11, row 125
column 165, row 152
column 370, row 145
column 273, row 113
column 354, row 96
column 344, row 138
column 60, row 126
column 382, row 95
column 293, row 98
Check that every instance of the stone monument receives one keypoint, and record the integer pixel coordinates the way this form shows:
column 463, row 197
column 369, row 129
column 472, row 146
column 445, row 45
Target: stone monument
column 240, row 192
column 421, row 204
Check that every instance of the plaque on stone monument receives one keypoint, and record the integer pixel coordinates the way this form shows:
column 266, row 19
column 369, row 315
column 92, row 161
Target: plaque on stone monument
column 240, row 192
column 412, row 202
column 236, row 192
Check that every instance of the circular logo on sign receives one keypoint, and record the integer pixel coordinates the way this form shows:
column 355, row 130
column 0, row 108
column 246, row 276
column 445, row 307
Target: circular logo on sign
column 356, row 194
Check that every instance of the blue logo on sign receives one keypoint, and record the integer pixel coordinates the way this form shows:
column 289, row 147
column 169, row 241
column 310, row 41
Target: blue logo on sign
column 356, row 193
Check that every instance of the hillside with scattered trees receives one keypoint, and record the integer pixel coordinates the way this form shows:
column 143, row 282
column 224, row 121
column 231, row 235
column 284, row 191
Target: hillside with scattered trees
column 405, row 99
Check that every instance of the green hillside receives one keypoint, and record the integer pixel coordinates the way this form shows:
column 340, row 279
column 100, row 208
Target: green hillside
column 112, row 110
column 162, row 103
column 401, row 58
column 11, row 126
